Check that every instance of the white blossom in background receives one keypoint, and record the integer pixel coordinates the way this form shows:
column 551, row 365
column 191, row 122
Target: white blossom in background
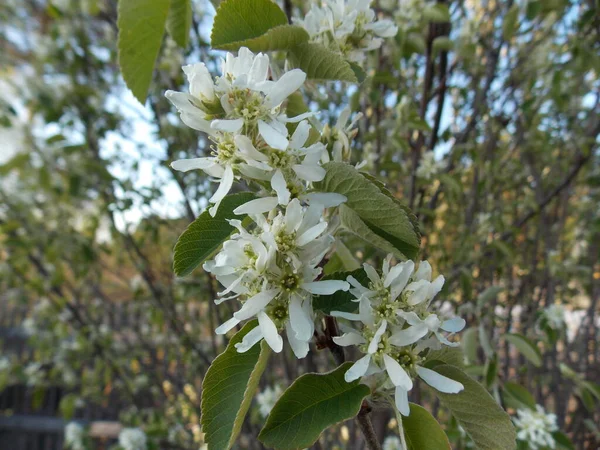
column 274, row 270
column 4, row 364
column 267, row 399
column 397, row 329
column 132, row 439
column 392, row 443
column 338, row 138
column 535, row 427
column 74, row 436
column 555, row 316
column 429, row 166
column 349, row 27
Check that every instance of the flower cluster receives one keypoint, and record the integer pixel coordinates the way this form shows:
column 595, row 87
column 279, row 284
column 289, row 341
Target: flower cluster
column 272, row 266
column 74, row 436
column 536, row 427
column 555, row 316
column 132, row 439
column 397, row 329
column 348, row 27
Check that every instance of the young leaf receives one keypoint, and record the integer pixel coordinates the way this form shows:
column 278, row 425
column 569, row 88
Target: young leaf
column 179, row 21
column 488, row 295
column 228, row 388
column 516, row 396
column 478, row 413
column 527, row 348
column 205, row 234
column 371, row 214
column 141, row 26
column 341, row 300
column 259, row 25
column 511, row 22
column 470, row 344
column 422, row 431
column 320, row 63
column 452, row 356
column 311, row 404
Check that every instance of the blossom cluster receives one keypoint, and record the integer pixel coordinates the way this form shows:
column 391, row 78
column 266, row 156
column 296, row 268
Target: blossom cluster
column 397, row 329
column 133, row 439
column 347, row 27
column 74, row 436
column 536, row 427
column 272, row 267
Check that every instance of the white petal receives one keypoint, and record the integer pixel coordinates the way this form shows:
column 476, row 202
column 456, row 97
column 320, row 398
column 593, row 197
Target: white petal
column 374, row 344
column 325, row 287
column 453, row 325
column 401, row 397
column 366, row 312
column 397, row 374
column 439, row 382
column 231, row 125
column 223, row 190
column 300, row 134
column 269, row 331
column 183, row 165
column 408, row 336
column 255, row 304
column 399, row 283
column 301, row 322
column 300, row 348
column 271, row 136
column 435, row 287
column 345, row 315
column 226, row 326
column 358, row 369
column 279, row 185
column 311, row 234
column 257, row 206
column 259, row 70
column 420, row 290
column 288, row 83
column 371, row 273
column 327, row 199
column 293, row 216
column 424, row 271
column 297, row 118
column 309, row 173
column 245, row 145
column 250, row 339
column 350, row 338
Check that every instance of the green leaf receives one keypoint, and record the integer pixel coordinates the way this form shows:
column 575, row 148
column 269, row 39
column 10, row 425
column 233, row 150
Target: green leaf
column 488, row 295
column 563, row 441
column 442, row 44
column 478, row 413
column 206, row 234
column 437, row 13
column 527, row 348
column 422, row 431
column 67, row 406
column 510, row 23
column 228, row 388
column 179, row 21
column 452, row 356
column 341, row 300
column 311, row 404
column 141, row 26
column 469, row 343
column 260, row 25
column 517, row 397
column 320, row 63
column 369, row 213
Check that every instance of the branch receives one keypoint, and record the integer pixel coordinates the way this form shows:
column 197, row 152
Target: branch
column 366, row 427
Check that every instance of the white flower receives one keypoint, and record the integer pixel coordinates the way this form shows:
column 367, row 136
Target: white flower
column 536, row 427
column 428, row 166
column 132, row 439
column 349, row 27
column 392, row 443
column 338, row 138
column 74, row 436
column 555, row 315
column 4, row 364
column 396, row 332
column 274, row 269
column 267, row 399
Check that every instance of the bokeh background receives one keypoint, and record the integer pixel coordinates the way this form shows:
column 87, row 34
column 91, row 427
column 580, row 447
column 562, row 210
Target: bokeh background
column 486, row 126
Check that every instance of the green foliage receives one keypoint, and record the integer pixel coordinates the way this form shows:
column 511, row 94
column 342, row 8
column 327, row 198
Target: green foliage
column 179, row 21
column 517, row 397
column 228, row 388
column 422, row 431
column 67, row 406
column 511, row 22
column 341, row 300
column 141, row 27
column 437, row 13
column 320, row 63
column 206, row 234
column 311, row 404
column 369, row 213
column 452, row 356
column 259, row 25
column 478, row 413
column 527, row 348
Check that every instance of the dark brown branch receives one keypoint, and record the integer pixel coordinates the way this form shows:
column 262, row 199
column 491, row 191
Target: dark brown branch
column 366, row 427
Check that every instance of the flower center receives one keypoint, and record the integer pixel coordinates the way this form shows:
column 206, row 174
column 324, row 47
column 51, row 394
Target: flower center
column 290, row 282
column 225, row 150
column 280, row 159
column 248, row 105
column 285, row 242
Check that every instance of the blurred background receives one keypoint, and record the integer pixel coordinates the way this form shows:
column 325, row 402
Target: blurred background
column 486, row 126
